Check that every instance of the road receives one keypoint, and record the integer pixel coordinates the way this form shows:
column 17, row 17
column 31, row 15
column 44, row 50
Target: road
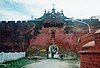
column 53, row 63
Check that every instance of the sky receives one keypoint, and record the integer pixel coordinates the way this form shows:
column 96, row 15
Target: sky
column 24, row 9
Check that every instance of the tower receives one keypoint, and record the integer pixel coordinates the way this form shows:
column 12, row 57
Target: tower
column 32, row 17
column 53, row 9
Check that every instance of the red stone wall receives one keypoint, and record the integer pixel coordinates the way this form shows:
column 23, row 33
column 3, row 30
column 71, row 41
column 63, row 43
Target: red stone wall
column 90, row 55
column 65, row 42
column 85, row 39
column 90, row 60
column 97, row 39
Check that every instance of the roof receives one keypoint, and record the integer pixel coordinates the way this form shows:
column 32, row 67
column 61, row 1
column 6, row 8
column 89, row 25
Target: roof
column 54, row 14
column 96, row 17
column 92, row 43
column 98, row 31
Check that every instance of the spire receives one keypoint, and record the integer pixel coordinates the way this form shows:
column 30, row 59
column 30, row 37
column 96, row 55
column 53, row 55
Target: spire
column 53, row 5
column 53, row 10
column 45, row 11
column 61, row 11
column 32, row 17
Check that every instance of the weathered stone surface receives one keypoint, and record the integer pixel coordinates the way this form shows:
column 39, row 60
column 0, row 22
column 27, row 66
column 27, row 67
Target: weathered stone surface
column 90, row 54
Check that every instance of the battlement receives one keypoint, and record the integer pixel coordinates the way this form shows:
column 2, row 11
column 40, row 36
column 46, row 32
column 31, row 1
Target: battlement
column 17, row 21
column 4, row 24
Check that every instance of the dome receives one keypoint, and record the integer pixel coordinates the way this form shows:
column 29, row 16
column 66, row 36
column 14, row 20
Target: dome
column 98, row 31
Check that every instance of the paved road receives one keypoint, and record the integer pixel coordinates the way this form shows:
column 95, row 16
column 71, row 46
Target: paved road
column 52, row 63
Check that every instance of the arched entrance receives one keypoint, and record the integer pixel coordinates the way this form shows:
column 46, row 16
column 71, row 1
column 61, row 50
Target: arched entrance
column 53, row 51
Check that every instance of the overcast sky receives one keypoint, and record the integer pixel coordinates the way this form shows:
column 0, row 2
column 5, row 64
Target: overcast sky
column 24, row 9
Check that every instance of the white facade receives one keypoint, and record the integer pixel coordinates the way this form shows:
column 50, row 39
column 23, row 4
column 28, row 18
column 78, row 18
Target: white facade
column 4, row 57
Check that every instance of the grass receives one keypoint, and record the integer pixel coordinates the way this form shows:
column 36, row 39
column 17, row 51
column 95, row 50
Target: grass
column 17, row 63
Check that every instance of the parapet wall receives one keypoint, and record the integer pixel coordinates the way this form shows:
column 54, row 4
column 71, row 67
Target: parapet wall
column 13, row 34
column 90, row 54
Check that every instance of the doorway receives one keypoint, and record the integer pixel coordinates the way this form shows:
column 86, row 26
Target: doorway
column 53, row 51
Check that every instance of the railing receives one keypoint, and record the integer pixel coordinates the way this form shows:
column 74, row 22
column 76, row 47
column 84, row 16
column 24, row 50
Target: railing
column 4, row 57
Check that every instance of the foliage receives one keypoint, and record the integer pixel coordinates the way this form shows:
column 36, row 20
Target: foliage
column 17, row 63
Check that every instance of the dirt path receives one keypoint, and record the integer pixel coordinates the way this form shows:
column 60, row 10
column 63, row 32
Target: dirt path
column 52, row 63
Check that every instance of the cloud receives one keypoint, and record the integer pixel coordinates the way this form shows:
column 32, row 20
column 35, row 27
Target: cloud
column 72, row 8
column 12, row 15
column 10, row 10
column 11, row 5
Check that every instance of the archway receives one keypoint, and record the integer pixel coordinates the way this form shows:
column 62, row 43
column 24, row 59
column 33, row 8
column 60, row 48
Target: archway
column 53, row 51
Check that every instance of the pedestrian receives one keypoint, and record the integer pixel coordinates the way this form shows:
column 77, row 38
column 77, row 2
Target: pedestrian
column 61, row 57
